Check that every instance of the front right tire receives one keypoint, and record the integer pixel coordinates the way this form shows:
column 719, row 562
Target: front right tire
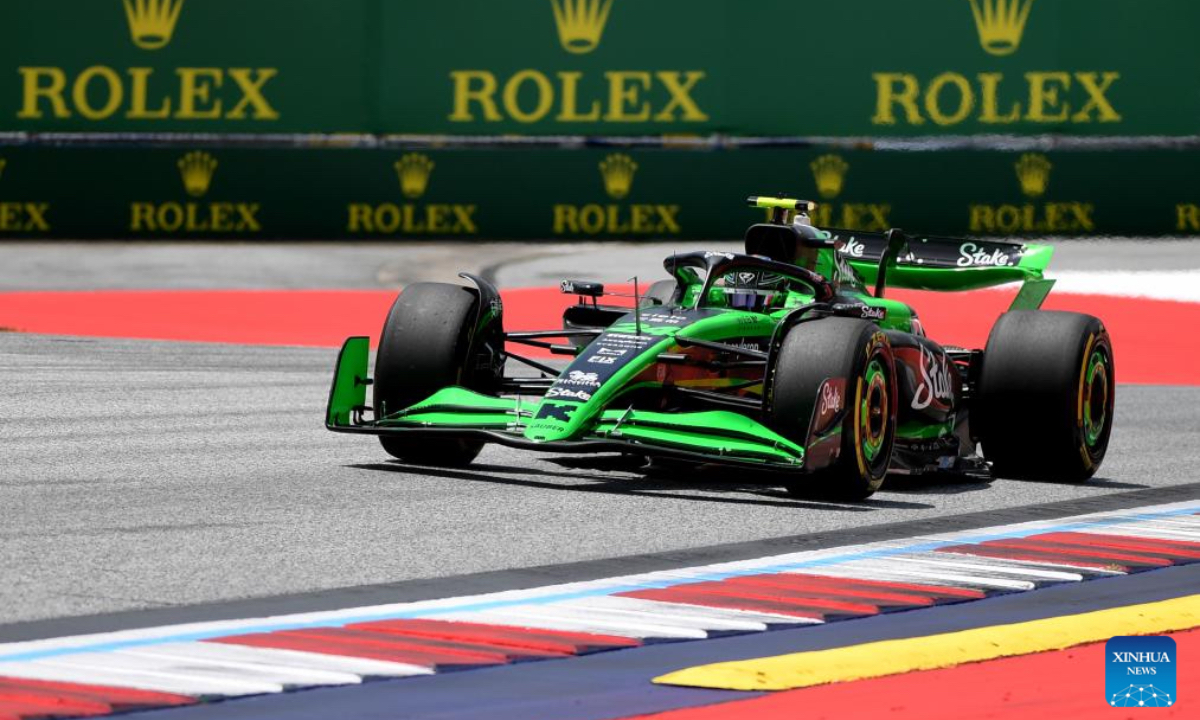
column 858, row 352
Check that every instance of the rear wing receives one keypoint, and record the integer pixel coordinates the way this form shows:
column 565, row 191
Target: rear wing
column 929, row 262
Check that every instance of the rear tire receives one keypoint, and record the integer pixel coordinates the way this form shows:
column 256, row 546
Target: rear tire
column 860, row 353
column 424, row 348
column 1045, row 402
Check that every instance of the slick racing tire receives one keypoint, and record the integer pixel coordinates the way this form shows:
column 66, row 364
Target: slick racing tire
column 1044, row 407
column 859, row 353
column 424, row 348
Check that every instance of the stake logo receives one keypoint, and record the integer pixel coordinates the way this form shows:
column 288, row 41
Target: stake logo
column 1033, row 172
column 1000, row 23
column 829, row 172
column 1140, row 671
column 152, row 22
column 580, row 23
column 1033, row 179
column 197, row 170
column 615, row 219
column 617, row 170
column 414, row 170
column 22, row 217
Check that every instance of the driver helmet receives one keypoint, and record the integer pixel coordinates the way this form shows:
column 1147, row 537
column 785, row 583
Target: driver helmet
column 753, row 290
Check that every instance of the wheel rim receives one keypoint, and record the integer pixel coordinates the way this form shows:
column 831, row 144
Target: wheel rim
column 1095, row 398
column 873, row 411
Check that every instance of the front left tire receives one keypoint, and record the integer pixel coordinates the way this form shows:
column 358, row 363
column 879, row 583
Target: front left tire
column 424, row 347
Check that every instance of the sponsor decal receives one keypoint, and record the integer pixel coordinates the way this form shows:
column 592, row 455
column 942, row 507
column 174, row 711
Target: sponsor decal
column 1033, row 177
column 197, row 172
column 413, row 172
column 829, row 172
column 852, row 247
column 571, row 96
column 580, row 23
column 832, row 398
column 989, row 98
column 860, row 310
column 584, row 379
column 601, row 360
column 555, row 411
column 972, row 255
column 1033, row 172
column 1140, row 671
column 569, row 394
column 711, row 254
column 934, row 382
column 617, row 172
column 99, row 92
column 932, row 445
column 1000, row 23
column 22, row 216
column 824, row 440
column 152, row 22
column 1187, row 217
column 871, row 217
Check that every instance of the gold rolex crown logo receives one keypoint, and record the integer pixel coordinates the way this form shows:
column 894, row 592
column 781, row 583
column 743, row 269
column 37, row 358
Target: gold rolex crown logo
column 197, row 168
column 580, row 23
column 1033, row 171
column 829, row 171
column 617, row 170
column 1001, row 24
column 151, row 22
column 413, row 170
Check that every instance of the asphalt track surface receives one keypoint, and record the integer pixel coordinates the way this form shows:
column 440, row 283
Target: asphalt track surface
column 177, row 477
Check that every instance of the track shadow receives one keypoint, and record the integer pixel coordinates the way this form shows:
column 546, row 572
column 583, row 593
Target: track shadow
column 1093, row 482
column 657, row 483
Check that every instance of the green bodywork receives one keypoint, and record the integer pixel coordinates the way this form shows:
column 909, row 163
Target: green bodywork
column 585, row 406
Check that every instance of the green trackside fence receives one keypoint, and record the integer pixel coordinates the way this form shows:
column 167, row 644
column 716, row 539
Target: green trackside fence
column 547, row 193
column 404, row 118
column 768, row 68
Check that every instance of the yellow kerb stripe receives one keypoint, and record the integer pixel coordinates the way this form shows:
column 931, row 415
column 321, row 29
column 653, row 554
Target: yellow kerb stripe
column 892, row 657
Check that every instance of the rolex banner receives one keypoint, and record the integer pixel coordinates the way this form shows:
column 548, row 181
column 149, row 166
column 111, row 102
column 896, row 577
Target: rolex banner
column 767, row 68
column 544, row 194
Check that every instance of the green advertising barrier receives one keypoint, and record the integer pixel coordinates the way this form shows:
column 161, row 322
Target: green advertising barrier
column 545, row 194
column 769, row 68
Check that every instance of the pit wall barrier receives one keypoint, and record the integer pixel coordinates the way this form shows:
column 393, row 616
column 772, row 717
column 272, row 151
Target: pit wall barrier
column 115, row 191
column 771, row 68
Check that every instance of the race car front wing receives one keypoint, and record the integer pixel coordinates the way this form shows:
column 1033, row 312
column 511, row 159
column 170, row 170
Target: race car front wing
column 713, row 436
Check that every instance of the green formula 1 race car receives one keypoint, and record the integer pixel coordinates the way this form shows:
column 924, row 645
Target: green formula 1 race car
column 788, row 358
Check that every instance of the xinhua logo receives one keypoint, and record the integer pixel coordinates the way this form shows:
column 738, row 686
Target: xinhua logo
column 1140, row 671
